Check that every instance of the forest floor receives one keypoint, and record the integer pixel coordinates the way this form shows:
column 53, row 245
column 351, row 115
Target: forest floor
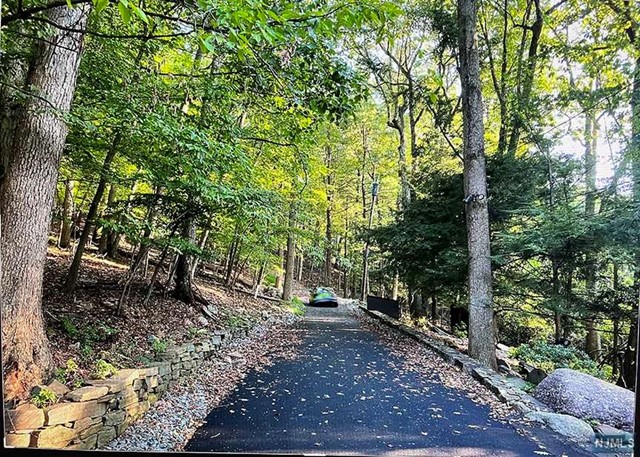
column 86, row 329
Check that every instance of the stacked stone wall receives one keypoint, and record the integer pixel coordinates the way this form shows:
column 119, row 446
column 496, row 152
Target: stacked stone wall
column 93, row 415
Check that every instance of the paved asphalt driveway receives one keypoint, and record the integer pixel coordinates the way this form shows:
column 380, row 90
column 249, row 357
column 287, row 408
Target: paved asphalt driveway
column 347, row 394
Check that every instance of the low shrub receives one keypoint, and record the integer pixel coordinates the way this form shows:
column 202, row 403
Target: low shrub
column 69, row 327
column 296, row 306
column 89, row 334
column 195, row 332
column 69, row 374
column 103, row 369
column 548, row 357
column 460, row 330
column 158, row 346
column 236, row 321
column 43, row 397
column 270, row 280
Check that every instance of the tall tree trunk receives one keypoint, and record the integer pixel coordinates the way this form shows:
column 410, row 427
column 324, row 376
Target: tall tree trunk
column 434, row 308
column 346, row 253
column 67, row 215
column 628, row 374
column 615, row 349
column 404, row 198
column 328, row 251
column 568, row 298
column 14, row 72
column 416, row 308
column 555, row 291
column 106, row 233
column 526, row 83
column 328, row 239
column 395, row 286
column 142, row 256
column 481, row 317
column 592, row 342
column 233, row 259
column 113, row 237
column 615, row 361
column 361, row 172
column 26, row 195
column 74, row 270
column 259, row 279
column 364, row 284
column 300, row 266
column 279, row 276
column 287, row 288
column 201, row 245
column 183, row 290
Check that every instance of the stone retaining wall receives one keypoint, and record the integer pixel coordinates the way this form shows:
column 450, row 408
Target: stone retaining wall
column 91, row 416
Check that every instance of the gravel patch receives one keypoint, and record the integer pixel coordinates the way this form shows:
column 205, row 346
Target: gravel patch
column 171, row 422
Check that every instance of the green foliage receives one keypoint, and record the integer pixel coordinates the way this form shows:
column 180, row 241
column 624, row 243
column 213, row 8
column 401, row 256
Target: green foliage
column 69, row 374
column 548, row 357
column 517, row 327
column 88, row 334
column 86, row 350
column 296, row 306
column 103, row 369
column 236, row 321
column 277, row 107
column 195, row 332
column 44, row 397
column 460, row 330
column 69, row 327
column 158, row 346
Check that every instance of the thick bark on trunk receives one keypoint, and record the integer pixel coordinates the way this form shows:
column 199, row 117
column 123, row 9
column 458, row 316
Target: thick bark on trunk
column 481, row 316
column 287, row 289
column 67, row 215
column 183, row 290
column 74, row 270
column 14, row 72
column 26, row 195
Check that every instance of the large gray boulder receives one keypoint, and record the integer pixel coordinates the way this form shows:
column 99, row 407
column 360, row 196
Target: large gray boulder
column 587, row 397
column 565, row 425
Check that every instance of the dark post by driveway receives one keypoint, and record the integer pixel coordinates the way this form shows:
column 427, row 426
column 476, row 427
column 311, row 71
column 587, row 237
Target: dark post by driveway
column 346, row 393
